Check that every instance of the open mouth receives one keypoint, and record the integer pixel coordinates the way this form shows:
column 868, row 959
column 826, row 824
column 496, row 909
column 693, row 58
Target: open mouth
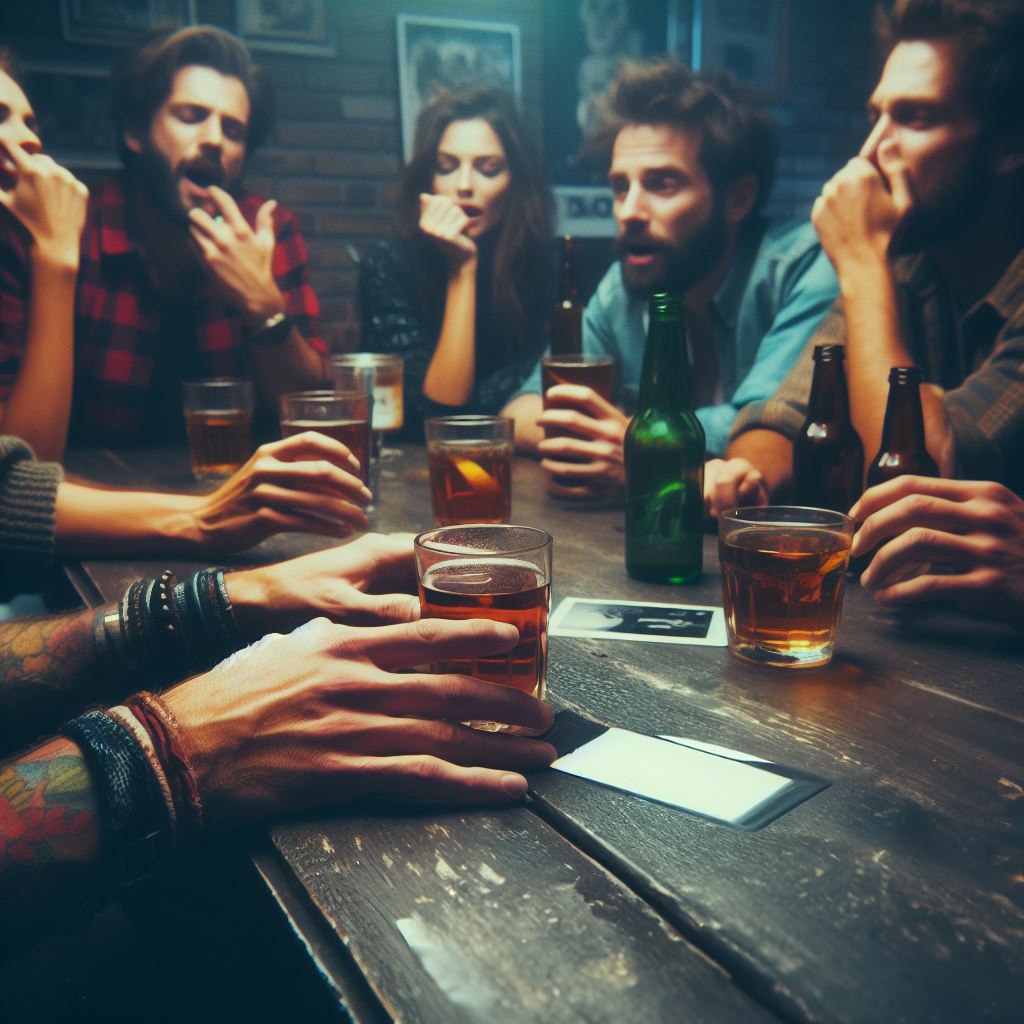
column 640, row 254
column 203, row 175
column 470, row 210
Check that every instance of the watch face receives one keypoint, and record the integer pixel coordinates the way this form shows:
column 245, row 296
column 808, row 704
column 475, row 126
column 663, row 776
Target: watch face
column 275, row 330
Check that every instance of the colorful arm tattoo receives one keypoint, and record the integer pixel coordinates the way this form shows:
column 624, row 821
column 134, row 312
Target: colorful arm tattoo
column 50, row 842
column 48, row 671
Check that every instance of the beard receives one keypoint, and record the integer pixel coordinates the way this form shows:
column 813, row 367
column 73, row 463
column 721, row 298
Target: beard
column 943, row 216
column 676, row 268
column 162, row 183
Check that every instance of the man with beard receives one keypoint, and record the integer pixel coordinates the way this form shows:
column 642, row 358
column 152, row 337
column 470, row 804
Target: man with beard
column 183, row 274
column 925, row 227
column 691, row 166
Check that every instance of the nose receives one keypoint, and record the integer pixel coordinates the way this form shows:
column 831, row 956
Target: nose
column 27, row 139
column 213, row 133
column 880, row 131
column 632, row 206
column 464, row 180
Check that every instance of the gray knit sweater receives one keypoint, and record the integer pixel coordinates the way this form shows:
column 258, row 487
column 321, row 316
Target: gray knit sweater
column 28, row 501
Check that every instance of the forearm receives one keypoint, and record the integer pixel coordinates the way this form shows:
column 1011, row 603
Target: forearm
column 50, row 843
column 452, row 370
column 770, row 452
column 101, row 522
column 48, row 670
column 39, row 406
column 875, row 343
column 294, row 365
column 524, row 411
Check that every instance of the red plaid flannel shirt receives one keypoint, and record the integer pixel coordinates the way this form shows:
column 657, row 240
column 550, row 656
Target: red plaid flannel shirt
column 118, row 312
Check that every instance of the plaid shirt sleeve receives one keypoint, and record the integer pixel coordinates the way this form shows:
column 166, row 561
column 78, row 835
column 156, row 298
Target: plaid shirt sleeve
column 291, row 271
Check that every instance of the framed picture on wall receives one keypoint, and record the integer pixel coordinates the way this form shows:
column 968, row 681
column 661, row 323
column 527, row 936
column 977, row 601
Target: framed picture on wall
column 746, row 37
column 73, row 108
column 447, row 53
column 102, row 23
column 287, row 26
column 585, row 42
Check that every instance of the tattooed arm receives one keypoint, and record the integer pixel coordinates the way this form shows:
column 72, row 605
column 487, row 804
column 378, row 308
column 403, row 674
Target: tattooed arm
column 48, row 671
column 49, row 840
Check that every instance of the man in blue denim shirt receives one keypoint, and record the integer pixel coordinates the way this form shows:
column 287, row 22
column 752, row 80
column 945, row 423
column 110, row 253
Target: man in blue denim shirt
column 691, row 164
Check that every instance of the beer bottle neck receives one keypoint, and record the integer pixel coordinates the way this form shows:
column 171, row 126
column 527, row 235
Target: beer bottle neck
column 903, row 430
column 665, row 381
column 830, row 401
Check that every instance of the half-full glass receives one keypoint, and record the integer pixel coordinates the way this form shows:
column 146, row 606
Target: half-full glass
column 345, row 416
column 470, row 460
column 501, row 573
column 783, row 570
column 385, row 375
column 218, row 415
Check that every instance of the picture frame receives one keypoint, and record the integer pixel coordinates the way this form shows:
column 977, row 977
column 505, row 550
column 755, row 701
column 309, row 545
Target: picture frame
column 585, row 41
column 299, row 26
column 100, row 23
column 747, row 38
column 73, row 108
column 451, row 52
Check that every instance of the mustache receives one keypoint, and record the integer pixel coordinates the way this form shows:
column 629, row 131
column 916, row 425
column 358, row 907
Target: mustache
column 641, row 241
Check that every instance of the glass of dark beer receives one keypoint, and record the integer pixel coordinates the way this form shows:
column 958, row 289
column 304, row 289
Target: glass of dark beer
column 218, row 415
column 343, row 415
column 597, row 372
column 783, row 570
column 470, row 461
column 501, row 573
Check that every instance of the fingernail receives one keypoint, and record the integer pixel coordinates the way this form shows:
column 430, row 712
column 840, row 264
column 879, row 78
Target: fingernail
column 514, row 785
column 855, row 546
column 366, row 493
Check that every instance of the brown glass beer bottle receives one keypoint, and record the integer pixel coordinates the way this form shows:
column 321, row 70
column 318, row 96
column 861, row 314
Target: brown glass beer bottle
column 828, row 458
column 567, row 316
column 903, row 449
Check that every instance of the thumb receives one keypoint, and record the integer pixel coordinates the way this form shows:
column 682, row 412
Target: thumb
column 265, row 220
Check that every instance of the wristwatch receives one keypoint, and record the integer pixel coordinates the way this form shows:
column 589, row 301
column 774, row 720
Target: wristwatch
column 274, row 330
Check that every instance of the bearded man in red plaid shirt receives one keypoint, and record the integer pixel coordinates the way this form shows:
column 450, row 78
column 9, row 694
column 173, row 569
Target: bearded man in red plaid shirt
column 183, row 274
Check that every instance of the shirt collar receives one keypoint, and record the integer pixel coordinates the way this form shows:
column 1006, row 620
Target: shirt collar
column 729, row 293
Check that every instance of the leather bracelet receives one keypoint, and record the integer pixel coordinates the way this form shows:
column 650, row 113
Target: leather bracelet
column 273, row 331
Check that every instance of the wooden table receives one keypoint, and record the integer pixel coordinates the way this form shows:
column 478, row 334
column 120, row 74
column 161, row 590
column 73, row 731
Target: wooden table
column 895, row 895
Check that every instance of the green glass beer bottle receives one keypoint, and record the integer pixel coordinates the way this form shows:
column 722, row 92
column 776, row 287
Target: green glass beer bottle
column 664, row 455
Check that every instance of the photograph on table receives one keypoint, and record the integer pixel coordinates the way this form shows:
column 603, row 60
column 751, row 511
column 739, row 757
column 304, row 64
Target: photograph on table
column 449, row 53
column 646, row 621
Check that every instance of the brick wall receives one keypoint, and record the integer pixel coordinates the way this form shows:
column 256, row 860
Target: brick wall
column 336, row 148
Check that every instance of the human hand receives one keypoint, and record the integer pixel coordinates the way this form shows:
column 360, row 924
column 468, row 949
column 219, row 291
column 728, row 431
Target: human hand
column 973, row 530
column 369, row 581
column 595, row 430
column 49, row 201
column 237, row 258
column 326, row 714
column 732, row 483
column 442, row 220
column 860, row 210
column 306, row 483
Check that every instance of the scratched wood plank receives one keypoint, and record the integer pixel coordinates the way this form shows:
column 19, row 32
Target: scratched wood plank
column 480, row 916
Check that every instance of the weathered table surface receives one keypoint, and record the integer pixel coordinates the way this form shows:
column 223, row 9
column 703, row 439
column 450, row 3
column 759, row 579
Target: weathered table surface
column 895, row 895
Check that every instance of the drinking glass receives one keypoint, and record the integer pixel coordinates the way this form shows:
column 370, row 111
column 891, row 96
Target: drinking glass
column 783, row 570
column 597, row 372
column 345, row 416
column 218, row 415
column 470, row 460
column 501, row 573
column 382, row 375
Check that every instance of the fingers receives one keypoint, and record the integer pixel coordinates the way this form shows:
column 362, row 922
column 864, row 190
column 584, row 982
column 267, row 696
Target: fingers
column 310, row 475
column 418, row 643
column 379, row 609
column 310, row 444
column 732, row 483
column 973, row 588
column 915, row 551
column 230, row 212
column 582, row 398
column 914, row 511
column 583, row 472
column 425, row 778
column 312, row 504
column 265, row 221
column 443, row 219
column 880, row 496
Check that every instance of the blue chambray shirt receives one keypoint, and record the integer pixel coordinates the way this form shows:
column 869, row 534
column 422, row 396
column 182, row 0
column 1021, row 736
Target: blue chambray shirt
column 777, row 290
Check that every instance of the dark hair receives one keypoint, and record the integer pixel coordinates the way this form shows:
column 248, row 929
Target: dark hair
column 141, row 81
column 9, row 66
column 990, row 37
column 524, row 231
column 736, row 136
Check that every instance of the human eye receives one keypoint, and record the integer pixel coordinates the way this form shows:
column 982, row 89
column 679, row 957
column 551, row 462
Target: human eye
column 664, row 183
column 234, row 130
column 914, row 115
column 491, row 166
column 446, row 164
column 618, row 184
column 5, row 112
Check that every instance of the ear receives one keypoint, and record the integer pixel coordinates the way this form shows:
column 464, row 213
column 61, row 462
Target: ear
column 740, row 198
column 133, row 142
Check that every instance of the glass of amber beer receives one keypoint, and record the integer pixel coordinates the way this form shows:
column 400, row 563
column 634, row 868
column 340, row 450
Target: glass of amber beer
column 470, row 461
column 501, row 573
column 218, row 415
column 597, row 372
column 343, row 415
column 782, row 582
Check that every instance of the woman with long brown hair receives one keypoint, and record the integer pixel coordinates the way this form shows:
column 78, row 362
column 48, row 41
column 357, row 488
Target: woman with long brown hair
column 463, row 296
